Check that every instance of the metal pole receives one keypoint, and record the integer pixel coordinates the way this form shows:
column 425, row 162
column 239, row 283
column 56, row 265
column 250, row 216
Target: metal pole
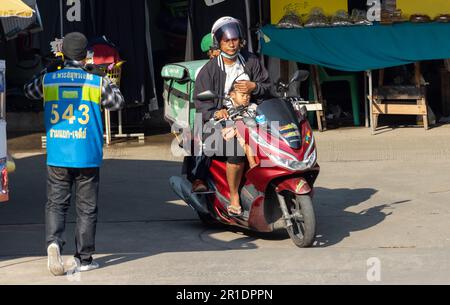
column 120, row 121
column 260, row 12
column 108, row 126
column 260, row 4
column 249, row 33
column 2, row 106
column 369, row 73
column 366, row 100
column 61, row 18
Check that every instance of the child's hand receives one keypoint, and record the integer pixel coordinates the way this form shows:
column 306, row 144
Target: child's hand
column 221, row 114
column 228, row 133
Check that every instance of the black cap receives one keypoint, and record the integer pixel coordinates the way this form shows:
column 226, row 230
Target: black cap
column 74, row 46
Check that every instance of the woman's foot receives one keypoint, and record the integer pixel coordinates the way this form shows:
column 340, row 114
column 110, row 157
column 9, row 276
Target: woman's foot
column 252, row 164
column 234, row 210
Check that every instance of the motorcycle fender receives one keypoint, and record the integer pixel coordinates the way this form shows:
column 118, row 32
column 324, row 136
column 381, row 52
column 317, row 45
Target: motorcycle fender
column 297, row 185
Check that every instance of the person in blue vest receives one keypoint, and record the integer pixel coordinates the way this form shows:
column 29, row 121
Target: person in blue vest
column 73, row 97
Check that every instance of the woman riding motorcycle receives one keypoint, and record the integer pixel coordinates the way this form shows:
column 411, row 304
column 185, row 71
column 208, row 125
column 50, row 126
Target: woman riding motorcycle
column 218, row 75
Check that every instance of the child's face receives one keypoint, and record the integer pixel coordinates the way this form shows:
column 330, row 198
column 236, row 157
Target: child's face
column 240, row 98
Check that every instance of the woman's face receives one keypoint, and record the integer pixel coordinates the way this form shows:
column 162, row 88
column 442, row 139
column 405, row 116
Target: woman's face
column 240, row 98
column 230, row 46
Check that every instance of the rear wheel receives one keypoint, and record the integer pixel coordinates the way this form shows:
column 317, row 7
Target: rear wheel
column 301, row 211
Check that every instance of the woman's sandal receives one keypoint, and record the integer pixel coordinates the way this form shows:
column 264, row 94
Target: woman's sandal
column 234, row 210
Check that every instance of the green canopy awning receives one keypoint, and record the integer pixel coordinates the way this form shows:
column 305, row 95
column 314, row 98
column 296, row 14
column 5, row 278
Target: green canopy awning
column 359, row 48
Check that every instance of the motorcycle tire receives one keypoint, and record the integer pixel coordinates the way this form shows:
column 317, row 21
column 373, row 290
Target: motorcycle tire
column 303, row 230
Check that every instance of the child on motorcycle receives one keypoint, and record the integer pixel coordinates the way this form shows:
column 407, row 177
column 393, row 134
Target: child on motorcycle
column 236, row 99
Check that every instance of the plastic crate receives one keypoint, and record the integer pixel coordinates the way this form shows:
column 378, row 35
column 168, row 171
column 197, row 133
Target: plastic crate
column 115, row 73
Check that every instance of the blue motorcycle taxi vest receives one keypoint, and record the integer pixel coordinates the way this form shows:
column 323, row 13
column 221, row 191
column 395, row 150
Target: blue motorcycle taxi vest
column 73, row 122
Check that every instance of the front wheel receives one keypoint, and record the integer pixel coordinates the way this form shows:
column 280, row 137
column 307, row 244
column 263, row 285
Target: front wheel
column 301, row 212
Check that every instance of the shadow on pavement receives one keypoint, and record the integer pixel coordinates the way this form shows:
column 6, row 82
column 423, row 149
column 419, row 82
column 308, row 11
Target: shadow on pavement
column 139, row 216
column 335, row 222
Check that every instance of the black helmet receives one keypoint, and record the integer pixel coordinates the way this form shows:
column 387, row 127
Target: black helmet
column 228, row 27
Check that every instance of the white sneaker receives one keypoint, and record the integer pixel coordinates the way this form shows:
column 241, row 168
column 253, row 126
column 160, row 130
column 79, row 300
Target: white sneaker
column 81, row 268
column 54, row 261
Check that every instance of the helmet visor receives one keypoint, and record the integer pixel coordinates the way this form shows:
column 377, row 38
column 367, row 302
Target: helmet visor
column 228, row 31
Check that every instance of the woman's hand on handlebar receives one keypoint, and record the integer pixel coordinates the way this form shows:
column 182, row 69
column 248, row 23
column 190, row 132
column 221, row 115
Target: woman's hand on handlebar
column 221, row 114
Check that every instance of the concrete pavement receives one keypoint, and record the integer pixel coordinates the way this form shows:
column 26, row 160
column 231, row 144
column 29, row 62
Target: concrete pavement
column 384, row 197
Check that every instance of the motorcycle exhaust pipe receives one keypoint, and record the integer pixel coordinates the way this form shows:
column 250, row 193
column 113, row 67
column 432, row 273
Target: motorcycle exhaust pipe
column 183, row 188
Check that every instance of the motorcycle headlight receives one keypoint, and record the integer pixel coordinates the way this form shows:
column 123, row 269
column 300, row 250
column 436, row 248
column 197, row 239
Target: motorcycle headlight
column 288, row 161
column 294, row 165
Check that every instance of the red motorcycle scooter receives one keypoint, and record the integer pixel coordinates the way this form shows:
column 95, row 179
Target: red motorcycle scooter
column 277, row 193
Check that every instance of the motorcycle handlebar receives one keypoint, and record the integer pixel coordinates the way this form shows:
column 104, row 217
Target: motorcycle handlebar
column 234, row 113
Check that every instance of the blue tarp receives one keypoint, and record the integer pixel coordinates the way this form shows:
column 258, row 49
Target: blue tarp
column 359, row 48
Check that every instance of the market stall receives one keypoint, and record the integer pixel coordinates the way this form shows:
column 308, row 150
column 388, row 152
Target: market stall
column 358, row 47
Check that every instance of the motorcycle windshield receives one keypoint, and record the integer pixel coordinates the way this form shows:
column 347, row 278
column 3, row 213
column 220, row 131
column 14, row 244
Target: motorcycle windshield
column 281, row 120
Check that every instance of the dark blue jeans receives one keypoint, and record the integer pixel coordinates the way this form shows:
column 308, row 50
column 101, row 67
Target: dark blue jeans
column 60, row 181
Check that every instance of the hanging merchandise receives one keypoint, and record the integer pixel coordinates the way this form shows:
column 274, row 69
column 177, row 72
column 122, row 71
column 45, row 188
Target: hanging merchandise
column 359, row 17
column 341, row 18
column 279, row 8
column 317, row 18
column 390, row 13
column 419, row 18
column 290, row 20
column 103, row 51
column 444, row 18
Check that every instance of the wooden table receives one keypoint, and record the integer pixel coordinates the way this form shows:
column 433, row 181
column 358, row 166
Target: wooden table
column 401, row 100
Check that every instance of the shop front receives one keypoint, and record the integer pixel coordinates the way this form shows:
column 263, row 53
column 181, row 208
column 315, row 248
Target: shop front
column 356, row 40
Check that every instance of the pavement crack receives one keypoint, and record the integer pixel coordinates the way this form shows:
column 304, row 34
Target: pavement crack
column 439, row 192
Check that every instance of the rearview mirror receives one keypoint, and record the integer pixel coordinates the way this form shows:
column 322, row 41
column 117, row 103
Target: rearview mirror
column 207, row 95
column 299, row 75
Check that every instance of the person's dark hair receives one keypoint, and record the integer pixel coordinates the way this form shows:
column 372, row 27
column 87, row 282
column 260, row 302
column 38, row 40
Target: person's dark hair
column 237, row 79
column 232, row 88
